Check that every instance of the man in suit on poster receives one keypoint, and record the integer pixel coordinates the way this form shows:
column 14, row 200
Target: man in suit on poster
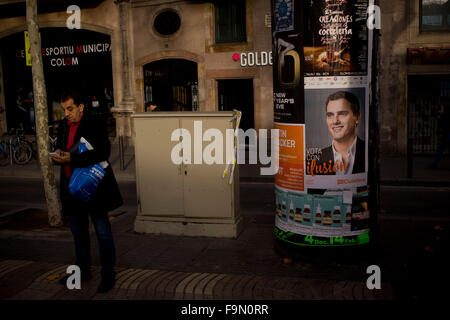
column 347, row 151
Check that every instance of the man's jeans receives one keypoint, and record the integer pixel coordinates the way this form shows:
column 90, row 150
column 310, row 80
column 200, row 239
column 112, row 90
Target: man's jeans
column 79, row 223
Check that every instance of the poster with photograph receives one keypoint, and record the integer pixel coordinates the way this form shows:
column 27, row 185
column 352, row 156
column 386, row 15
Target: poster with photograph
column 336, row 38
column 336, row 135
column 284, row 15
column 287, row 48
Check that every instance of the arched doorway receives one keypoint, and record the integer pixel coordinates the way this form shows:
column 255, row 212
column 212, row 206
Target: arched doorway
column 79, row 58
column 171, row 84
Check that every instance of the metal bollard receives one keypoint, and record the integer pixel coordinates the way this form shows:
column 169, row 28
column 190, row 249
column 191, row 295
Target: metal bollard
column 122, row 156
column 11, row 152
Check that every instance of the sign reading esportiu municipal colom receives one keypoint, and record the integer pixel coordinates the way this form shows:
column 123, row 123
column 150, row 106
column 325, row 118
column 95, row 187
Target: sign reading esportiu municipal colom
column 65, row 55
column 322, row 198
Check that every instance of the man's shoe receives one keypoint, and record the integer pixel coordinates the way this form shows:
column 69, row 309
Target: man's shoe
column 107, row 283
column 85, row 276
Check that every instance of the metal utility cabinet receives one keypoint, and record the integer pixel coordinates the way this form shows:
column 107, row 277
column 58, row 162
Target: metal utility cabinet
column 184, row 199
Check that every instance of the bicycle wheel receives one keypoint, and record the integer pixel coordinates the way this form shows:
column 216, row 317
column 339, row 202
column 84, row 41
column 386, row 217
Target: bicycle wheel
column 4, row 157
column 22, row 153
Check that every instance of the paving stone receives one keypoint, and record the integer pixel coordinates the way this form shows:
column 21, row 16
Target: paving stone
column 142, row 288
column 348, row 290
column 284, row 290
column 199, row 289
column 173, row 284
column 20, row 279
column 302, row 290
column 190, row 287
column 220, row 285
column 153, row 286
column 238, row 290
column 131, row 291
column 268, row 290
column 11, row 265
column 228, row 288
column 55, row 273
column 326, row 290
column 338, row 290
column 88, row 288
column 247, row 289
column 180, row 289
column 258, row 290
column 209, row 289
column 161, row 289
column 357, row 290
column 123, row 276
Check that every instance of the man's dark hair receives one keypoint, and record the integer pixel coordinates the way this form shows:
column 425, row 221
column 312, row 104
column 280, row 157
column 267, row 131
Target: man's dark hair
column 350, row 97
column 67, row 94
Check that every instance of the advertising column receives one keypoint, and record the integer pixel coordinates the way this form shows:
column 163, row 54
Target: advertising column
column 322, row 64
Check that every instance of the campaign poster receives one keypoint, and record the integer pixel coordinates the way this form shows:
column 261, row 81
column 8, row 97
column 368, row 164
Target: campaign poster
column 336, row 38
column 287, row 48
column 336, row 135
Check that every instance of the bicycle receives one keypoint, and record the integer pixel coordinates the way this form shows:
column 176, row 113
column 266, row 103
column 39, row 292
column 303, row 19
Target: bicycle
column 15, row 148
column 32, row 142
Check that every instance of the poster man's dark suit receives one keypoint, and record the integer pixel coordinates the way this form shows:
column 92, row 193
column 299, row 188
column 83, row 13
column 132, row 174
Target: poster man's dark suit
column 359, row 163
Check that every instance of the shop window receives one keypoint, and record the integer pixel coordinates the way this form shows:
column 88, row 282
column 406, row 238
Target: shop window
column 238, row 94
column 230, row 21
column 435, row 15
column 167, row 23
column 171, row 84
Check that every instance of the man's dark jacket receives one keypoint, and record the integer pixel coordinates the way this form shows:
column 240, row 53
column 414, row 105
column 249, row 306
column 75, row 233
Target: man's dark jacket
column 107, row 197
column 359, row 164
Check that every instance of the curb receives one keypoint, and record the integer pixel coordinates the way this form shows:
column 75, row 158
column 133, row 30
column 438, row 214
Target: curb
column 416, row 183
column 28, row 280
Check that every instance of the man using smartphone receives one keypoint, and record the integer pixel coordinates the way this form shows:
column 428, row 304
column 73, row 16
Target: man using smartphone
column 107, row 197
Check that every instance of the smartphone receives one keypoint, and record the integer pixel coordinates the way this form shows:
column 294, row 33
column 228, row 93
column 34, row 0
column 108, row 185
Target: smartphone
column 53, row 154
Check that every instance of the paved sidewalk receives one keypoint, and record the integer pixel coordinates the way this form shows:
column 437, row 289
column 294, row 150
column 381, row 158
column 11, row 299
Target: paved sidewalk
column 28, row 280
column 167, row 267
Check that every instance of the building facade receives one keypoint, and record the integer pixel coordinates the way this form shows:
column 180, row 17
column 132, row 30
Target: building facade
column 415, row 73
column 215, row 57
column 179, row 55
column 91, row 58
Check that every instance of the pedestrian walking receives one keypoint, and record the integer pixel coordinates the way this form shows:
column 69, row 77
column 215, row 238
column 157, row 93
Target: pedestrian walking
column 443, row 134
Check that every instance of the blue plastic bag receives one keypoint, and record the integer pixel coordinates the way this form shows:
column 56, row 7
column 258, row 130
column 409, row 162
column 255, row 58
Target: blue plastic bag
column 84, row 181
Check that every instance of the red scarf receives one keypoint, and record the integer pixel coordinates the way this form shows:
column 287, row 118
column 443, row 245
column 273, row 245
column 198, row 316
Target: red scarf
column 73, row 129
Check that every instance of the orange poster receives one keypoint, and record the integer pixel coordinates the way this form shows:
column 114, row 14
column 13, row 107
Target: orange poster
column 291, row 171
